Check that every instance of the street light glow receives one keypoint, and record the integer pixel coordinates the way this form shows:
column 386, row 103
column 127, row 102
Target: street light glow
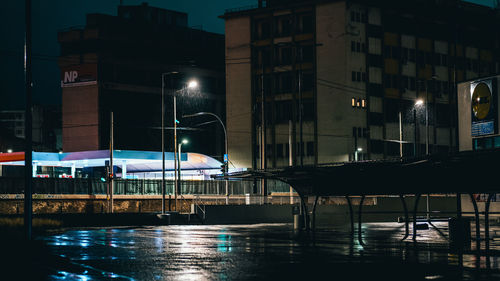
column 193, row 84
column 360, row 149
column 9, row 150
column 185, row 141
column 419, row 102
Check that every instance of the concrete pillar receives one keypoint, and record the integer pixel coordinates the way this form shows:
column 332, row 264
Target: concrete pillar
column 73, row 170
column 34, row 166
column 124, row 170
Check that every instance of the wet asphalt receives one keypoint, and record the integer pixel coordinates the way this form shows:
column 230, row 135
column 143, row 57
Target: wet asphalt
column 260, row 252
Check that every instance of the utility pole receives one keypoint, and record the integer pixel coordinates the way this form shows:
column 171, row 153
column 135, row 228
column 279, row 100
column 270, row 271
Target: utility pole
column 163, row 144
column 111, row 167
column 175, row 154
column 400, row 135
column 301, row 140
column 28, row 158
column 290, row 156
column 262, row 136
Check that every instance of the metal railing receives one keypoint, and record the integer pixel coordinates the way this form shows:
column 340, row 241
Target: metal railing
column 15, row 185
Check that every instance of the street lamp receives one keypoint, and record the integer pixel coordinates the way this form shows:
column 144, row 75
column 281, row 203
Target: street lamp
column 163, row 140
column 184, row 141
column 192, row 84
column 226, row 156
column 420, row 102
column 358, row 150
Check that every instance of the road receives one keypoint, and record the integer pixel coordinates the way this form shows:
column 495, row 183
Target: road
column 258, row 252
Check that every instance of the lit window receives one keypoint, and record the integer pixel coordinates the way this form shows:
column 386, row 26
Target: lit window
column 358, row 103
column 353, row 102
column 363, row 103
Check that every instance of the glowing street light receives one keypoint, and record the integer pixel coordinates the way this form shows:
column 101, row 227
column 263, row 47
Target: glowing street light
column 419, row 102
column 192, row 84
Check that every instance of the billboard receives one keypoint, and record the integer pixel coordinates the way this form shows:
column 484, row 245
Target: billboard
column 79, row 75
column 484, row 107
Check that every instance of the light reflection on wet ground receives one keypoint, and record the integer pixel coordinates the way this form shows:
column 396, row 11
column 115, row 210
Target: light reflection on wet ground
column 264, row 252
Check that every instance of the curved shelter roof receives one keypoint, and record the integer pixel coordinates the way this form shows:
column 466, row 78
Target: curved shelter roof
column 464, row 172
column 136, row 161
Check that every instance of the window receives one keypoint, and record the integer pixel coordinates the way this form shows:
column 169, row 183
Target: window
column 358, row 103
column 306, row 53
column 279, row 150
column 307, row 24
column 358, row 47
column 357, row 76
column 310, row 148
column 361, row 17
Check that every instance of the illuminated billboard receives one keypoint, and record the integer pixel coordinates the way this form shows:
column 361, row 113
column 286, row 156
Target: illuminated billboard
column 484, row 108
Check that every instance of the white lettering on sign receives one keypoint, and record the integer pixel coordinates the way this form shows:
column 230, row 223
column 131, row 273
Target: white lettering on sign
column 70, row 76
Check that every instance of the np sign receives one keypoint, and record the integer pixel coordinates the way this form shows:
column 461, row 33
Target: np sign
column 79, row 75
column 70, row 76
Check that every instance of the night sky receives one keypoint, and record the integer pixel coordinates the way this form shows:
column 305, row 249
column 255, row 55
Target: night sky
column 54, row 15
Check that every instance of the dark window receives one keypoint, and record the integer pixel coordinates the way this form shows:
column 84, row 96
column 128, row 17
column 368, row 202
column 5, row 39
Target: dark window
column 377, row 146
column 353, row 46
column 286, row 26
column 364, row 18
column 411, row 57
column 307, row 24
column 353, row 16
column 265, row 30
column 353, row 76
column 307, row 81
column 358, row 47
column 279, row 150
column 443, row 115
column 376, row 118
column 308, row 109
column 412, row 83
column 306, row 53
column 391, row 110
column 363, row 76
column 310, row 148
column 286, row 55
column 358, row 76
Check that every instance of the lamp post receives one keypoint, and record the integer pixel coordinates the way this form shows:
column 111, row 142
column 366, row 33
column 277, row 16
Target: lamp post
column 192, row 84
column 226, row 158
column 163, row 140
column 184, row 141
column 358, row 150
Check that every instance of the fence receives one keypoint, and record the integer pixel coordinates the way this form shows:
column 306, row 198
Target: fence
column 10, row 185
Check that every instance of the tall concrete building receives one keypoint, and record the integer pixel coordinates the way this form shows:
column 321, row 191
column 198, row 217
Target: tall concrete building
column 115, row 64
column 350, row 80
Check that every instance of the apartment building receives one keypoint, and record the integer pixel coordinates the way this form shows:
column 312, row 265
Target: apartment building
column 312, row 82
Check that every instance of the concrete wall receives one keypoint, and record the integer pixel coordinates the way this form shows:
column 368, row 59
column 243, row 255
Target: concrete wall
column 238, row 92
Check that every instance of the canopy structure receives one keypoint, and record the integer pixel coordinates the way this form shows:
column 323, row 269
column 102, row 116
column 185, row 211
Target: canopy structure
column 130, row 161
column 465, row 172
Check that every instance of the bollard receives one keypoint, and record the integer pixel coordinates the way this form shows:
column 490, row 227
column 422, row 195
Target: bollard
column 459, row 232
column 298, row 222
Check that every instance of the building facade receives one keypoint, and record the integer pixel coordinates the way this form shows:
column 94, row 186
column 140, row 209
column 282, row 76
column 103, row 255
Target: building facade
column 116, row 64
column 341, row 80
column 46, row 127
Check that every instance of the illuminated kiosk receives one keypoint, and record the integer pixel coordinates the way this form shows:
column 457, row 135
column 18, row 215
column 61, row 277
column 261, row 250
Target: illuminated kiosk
column 478, row 126
column 129, row 164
